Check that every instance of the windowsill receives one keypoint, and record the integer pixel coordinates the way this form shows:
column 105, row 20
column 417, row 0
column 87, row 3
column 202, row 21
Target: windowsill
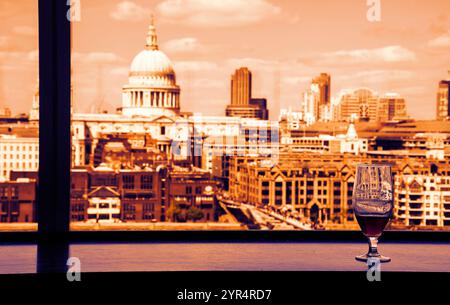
column 308, row 256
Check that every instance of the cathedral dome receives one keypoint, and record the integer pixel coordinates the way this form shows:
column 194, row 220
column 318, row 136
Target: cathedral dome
column 151, row 66
column 152, row 89
column 151, row 62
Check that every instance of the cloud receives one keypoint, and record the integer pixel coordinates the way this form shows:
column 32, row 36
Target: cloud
column 4, row 40
column 33, row 55
column 442, row 41
column 129, row 11
column 30, row 56
column 25, row 30
column 357, row 56
column 254, row 63
column 378, row 76
column 187, row 44
column 120, row 71
column 208, row 83
column 296, row 80
column 96, row 57
column 195, row 66
column 217, row 13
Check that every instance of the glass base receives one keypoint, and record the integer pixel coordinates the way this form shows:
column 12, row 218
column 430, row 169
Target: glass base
column 365, row 257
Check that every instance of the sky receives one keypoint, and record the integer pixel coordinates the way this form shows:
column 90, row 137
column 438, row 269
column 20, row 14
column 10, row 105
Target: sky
column 285, row 43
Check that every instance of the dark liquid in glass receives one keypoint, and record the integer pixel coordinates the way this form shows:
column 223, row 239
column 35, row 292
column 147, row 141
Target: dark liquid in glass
column 372, row 226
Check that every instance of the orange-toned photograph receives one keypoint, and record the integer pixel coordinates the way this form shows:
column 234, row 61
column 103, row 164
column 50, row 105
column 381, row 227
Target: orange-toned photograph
column 214, row 135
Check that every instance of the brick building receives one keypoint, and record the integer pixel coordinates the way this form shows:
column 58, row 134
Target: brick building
column 17, row 200
column 192, row 195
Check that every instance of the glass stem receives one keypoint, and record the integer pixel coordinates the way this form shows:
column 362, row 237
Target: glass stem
column 373, row 247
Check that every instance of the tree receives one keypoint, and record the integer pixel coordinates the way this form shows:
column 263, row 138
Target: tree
column 174, row 212
column 194, row 213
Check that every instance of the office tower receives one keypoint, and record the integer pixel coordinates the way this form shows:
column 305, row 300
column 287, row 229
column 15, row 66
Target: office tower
column 310, row 107
column 323, row 81
column 261, row 104
column 361, row 104
column 391, row 107
column 241, row 87
column 316, row 100
column 443, row 96
column 242, row 104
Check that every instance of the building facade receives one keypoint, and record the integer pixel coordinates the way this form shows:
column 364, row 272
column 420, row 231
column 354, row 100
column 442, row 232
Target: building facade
column 192, row 196
column 242, row 104
column 391, row 107
column 323, row 82
column 359, row 104
column 18, row 201
column 443, row 97
column 422, row 200
column 320, row 187
column 18, row 151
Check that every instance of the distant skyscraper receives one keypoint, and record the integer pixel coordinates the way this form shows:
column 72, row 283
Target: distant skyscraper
column 242, row 104
column 390, row 107
column 310, row 106
column 316, row 100
column 443, row 97
column 323, row 81
column 359, row 104
column 241, row 87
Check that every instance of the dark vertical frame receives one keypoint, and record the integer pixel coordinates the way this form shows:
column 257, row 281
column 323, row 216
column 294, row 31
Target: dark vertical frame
column 54, row 124
column 53, row 204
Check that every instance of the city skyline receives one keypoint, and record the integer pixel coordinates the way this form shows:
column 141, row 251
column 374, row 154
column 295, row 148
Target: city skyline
column 376, row 55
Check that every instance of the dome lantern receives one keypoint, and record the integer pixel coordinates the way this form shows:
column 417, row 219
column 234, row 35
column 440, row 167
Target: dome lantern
column 152, row 38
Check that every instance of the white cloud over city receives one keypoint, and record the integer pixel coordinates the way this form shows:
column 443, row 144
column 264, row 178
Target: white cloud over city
column 96, row 57
column 181, row 45
column 129, row 11
column 387, row 54
column 442, row 41
column 217, row 13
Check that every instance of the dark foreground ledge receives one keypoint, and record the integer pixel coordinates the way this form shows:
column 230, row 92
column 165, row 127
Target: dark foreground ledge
column 166, row 287
column 221, row 236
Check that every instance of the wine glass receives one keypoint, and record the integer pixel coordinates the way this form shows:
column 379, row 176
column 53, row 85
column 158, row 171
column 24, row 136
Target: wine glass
column 373, row 204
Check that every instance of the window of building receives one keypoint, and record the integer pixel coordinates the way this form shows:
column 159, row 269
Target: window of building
column 128, row 181
column 198, row 190
column 147, row 182
column 188, row 190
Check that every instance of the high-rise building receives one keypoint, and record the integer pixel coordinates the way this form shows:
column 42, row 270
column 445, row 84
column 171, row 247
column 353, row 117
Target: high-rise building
column 443, row 97
column 242, row 104
column 391, row 107
column 241, row 87
column 316, row 100
column 323, row 81
column 261, row 104
column 359, row 104
column 310, row 105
